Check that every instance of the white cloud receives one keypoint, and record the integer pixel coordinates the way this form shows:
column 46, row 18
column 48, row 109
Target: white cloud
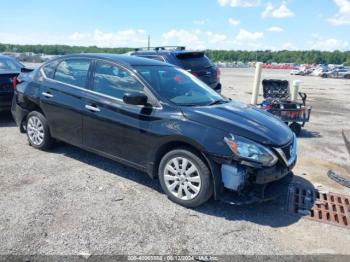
column 123, row 38
column 240, row 3
column 343, row 15
column 197, row 39
column 246, row 36
column 277, row 12
column 30, row 38
column 330, row 44
column 234, row 22
column 275, row 29
column 184, row 37
column 216, row 38
column 130, row 37
column 288, row 46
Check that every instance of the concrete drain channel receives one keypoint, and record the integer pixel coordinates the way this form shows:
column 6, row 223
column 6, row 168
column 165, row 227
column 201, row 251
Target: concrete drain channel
column 319, row 206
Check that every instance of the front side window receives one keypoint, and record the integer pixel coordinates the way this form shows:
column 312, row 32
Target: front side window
column 114, row 81
column 178, row 86
column 73, row 72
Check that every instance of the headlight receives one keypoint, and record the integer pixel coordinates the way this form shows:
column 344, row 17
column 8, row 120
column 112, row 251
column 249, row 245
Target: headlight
column 249, row 150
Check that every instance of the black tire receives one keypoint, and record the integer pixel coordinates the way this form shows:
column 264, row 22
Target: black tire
column 296, row 128
column 46, row 141
column 347, row 76
column 206, row 185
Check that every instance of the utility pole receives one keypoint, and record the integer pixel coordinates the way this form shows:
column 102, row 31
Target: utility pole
column 149, row 42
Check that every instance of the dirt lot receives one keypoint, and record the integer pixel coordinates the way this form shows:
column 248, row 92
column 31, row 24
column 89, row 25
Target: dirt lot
column 68, row 201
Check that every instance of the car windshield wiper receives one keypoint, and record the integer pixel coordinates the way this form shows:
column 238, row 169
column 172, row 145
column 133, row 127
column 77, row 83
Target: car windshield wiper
column 217, row 102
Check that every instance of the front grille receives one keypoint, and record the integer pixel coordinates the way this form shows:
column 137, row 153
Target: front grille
column 288, row 152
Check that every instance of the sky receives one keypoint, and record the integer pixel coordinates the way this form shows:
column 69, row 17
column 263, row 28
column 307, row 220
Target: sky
column 197, row 24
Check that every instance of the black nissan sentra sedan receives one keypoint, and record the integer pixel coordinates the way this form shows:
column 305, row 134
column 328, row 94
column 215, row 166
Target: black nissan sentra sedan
column 157, row 118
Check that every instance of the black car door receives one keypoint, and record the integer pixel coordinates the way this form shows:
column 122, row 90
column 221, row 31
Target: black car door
column 109, row 125
column 61, row 98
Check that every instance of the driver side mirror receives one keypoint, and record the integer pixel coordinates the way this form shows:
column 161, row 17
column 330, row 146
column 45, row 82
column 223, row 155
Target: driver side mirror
column 135, row 99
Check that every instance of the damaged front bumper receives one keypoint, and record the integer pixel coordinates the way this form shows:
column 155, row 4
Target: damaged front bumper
column 258, row 193
column 242, row 182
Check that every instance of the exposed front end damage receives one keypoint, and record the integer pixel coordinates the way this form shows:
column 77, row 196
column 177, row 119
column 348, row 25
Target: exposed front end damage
column 244, row 182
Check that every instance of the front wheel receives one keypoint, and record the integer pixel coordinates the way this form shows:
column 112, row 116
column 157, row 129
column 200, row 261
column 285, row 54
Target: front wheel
column 38, row 131
column 185, row 178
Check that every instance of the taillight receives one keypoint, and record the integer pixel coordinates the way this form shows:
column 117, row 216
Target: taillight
column 14, row 82
column 218, row 72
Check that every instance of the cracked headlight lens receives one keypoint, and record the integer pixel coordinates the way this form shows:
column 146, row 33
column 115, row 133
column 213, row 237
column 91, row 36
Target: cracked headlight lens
column 251, row 151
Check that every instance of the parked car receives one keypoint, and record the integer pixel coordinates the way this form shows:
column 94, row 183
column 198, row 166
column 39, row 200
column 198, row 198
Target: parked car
column 195, row 62
column 297, row 72
column 337, row 73
column 158, row 118
column 9, row 70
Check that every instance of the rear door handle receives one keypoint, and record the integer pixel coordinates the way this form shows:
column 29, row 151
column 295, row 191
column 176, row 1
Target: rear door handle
column 92, row 108
column 48, row 95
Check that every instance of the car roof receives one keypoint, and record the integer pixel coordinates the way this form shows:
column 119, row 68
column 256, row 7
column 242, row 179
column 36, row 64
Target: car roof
column 164, row 52
column 123, row 59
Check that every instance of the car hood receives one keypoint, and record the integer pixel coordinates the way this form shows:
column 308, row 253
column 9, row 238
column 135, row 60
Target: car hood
column 239, row 119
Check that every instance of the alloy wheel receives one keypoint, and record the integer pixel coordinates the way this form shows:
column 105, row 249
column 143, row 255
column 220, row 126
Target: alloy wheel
column 182, row 178
column 35, row 130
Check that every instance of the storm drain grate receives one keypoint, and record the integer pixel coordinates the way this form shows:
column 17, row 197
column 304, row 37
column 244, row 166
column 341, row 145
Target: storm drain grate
column 324, row 207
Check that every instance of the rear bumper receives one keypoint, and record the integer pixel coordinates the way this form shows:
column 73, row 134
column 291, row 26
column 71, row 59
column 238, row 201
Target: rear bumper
column 19, row 114
column 5, row 101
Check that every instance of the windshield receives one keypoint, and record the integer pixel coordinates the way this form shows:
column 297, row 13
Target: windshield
column 8, row 64
column 178, row 86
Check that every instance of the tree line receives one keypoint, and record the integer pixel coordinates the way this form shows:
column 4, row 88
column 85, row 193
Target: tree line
column 267, row 56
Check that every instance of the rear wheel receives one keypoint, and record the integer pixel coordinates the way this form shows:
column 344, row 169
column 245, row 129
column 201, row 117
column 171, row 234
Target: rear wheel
column 38, row 131
column 185, row 178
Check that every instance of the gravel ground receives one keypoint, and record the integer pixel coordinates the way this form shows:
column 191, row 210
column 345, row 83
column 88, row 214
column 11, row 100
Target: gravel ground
column 68, row 201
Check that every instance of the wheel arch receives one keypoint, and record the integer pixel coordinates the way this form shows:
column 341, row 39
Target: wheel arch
column 194, row 148
column 30, row 106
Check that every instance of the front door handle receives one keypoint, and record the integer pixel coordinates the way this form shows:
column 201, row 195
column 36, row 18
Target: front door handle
column 92, row 108
column 48, row 95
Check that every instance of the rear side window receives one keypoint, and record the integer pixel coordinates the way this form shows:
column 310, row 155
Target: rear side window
column 194, row 61
column 73, row 72
column 49, row 70
column 114, row 81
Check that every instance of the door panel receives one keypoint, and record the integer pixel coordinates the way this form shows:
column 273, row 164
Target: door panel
column 63, row 108
column 111, row 126
column 117, row 129
column 61, row 99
